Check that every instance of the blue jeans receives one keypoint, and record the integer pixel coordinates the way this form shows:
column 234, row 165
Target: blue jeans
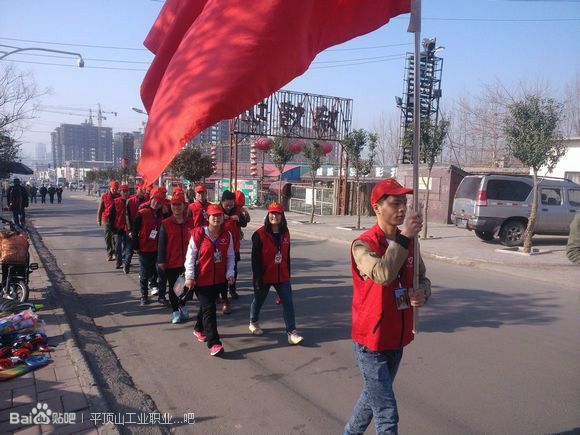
column 148, row 267
column 120, row 246
column 284, row 290
column 377, row 399
column 128, row 251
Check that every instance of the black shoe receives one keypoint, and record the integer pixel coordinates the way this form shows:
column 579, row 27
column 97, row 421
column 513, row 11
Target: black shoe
column 144, row 301
column 126, row 269
column 162, row 300
column 118, row 266
column 234, row 294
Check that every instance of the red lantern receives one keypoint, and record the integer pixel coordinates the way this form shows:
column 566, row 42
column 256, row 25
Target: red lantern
column 296, row 146
column 263, row 143
column 326, row 147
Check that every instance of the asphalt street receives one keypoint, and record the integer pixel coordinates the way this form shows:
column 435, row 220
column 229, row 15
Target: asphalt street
column 497, row 353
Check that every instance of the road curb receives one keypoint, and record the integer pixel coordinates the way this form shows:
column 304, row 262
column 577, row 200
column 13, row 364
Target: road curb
column 88, row 383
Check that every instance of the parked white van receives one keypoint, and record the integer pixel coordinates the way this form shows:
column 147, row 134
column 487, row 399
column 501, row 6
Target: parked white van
column 499, row 205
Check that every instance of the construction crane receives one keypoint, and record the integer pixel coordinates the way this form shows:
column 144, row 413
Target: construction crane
column 75, row 111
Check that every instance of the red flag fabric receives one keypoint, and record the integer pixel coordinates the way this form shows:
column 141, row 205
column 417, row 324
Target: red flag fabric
column 215, row 59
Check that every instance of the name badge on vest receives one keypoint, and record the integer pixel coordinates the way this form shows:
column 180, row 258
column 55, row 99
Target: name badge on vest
column 153, row 234
column 217, row 257
column 402, row 299
column 278, row 258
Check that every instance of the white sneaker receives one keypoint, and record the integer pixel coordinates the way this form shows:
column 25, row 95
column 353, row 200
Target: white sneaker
column 153, row 291
column 184, row 312
column 175, row 317
column 255, row 328
column 294, row 338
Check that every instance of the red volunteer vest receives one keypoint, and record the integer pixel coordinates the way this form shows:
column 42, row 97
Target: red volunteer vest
column 376, row 322
column 199, row 213
column 133, row 204
column 208, row 271
column 274, row 273
column 149, row 222
column 107, row 199
column 119, row 204
column 176, row 242
column 233, row 227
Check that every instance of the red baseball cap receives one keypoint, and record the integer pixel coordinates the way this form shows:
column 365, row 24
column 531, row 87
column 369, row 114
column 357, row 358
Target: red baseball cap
column 114, row 184
column 199, row 188
column 275, row 207
column 158, row 194
column 139, row 185
column 390, row 186
column 124, row 187
column 214, row 209
column 177, row 198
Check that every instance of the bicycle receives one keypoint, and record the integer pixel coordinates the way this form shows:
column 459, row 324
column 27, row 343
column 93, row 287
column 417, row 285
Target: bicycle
column 16, row 275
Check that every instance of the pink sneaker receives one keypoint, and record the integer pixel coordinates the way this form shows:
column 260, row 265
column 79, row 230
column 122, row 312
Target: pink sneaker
column 200, row 336
column 216, row 349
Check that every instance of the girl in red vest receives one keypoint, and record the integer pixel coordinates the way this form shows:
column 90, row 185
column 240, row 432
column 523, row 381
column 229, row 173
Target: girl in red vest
column 271, row 267
column 174, row 238
column 209, row 267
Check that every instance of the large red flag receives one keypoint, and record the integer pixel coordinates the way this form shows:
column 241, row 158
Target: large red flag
column 215, row 59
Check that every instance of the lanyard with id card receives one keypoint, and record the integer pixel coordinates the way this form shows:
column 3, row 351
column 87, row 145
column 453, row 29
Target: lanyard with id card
column 217, row 254
column 402, row 298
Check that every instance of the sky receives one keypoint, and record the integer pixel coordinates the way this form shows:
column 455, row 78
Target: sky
column 484, row 41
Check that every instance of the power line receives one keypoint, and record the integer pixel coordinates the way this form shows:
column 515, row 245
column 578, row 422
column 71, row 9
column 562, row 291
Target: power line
column 75, row 45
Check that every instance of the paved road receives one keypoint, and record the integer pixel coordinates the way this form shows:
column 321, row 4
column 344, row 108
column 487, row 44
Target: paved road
column 498, row 353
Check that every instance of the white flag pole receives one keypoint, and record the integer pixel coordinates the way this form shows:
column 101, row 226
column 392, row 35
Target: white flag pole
column 415, row 27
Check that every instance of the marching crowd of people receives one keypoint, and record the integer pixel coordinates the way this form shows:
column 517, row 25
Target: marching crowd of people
column 185, row 238
column 19, row 197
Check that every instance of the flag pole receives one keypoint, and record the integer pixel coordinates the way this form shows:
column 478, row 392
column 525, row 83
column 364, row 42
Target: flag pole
column 415, row 27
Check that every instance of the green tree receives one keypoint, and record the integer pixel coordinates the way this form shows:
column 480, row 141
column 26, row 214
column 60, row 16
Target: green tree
column 9, row 152
column 280, row 154
column 192, row 165
column 532, row 136
column 356, row 144
column 432, row 141
column 313, row 154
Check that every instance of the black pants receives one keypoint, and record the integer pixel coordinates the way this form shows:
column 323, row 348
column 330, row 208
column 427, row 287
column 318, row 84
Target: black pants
column 232, row 287
column 172, row 275
column 42, row 198
column 51, row 198
column 206, row 317
column 148, row 265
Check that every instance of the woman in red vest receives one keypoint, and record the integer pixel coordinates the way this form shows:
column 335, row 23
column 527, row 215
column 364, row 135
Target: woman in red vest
column 271, row 267
column 174, row 238
column 209, row 267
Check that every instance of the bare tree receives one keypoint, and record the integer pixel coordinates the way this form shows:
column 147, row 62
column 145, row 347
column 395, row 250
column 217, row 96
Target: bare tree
column 388, row 131
column 18, row 92
column 571, row 122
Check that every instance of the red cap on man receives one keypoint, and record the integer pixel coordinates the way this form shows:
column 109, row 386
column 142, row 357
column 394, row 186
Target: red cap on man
column 240, row 199
column 158, row 194
column 275, row 207
column 199, row 188
column 390, row 186
column 114, row 185
column 177, row 198
column 124, row 188
column 214, row 209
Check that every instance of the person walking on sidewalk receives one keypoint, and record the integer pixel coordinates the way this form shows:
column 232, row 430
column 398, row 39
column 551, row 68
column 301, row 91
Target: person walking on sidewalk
column 118, row 225
column 209, row 267
column 59, row 194
column 198, row 209
column 103, row 211
column 233, row 222
column 51, row 192
column 145, row 239
column 174, row 238
column 382, row 304
column 17, row 198
column 43, row 191
column 32, row 191
column 573, row 246
column 271, row 267
column 131, row 209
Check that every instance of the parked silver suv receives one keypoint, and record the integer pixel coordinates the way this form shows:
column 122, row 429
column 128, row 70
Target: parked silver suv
column 499, row 205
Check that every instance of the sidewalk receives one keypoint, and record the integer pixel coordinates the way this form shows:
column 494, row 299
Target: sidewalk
column 66, row 385
column 450, row 244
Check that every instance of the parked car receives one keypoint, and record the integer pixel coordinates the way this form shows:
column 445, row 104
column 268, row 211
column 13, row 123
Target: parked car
column 499, row 205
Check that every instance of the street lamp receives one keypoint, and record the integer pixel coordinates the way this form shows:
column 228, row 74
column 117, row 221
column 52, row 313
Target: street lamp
column 80, row 61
